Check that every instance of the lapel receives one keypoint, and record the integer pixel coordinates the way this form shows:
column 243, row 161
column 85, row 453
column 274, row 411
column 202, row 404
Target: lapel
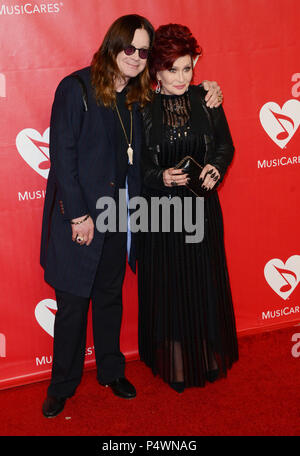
column 103, row 117
column 137, row 140
column 136, row 118
column 156, row 132
column 199, row 113
column 106, row 118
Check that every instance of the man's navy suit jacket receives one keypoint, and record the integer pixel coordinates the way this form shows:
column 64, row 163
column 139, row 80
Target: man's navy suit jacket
column 83, row 168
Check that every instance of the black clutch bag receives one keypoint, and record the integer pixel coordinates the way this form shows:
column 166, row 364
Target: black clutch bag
column 193, row 169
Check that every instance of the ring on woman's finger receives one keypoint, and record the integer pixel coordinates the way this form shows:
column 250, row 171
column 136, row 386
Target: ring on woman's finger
column 79, row 239
column 173, row 183
column 220, row 98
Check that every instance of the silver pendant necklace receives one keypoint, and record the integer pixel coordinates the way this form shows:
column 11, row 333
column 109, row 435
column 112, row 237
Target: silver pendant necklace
column 129, row 149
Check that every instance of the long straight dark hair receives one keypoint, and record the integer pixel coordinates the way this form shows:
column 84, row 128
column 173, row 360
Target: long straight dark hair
column 104, row 68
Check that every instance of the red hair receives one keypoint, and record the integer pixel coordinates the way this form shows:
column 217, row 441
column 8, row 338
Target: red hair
column 171, row 42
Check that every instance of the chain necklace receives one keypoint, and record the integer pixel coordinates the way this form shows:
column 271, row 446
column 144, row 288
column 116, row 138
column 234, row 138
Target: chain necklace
column 129, row 150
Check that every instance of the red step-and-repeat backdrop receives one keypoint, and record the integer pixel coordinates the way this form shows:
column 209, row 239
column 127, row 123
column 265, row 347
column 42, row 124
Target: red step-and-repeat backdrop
column 252, row 48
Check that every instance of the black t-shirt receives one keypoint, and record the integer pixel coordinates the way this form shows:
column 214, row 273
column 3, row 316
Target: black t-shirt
column 122, row 145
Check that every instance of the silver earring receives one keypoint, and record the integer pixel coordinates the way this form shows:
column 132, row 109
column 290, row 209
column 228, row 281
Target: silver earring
column 158, row 87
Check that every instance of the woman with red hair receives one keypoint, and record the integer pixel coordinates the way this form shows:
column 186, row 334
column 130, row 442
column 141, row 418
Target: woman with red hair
column 187, row 332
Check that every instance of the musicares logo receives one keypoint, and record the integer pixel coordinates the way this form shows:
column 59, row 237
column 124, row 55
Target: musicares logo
column 30, row 8
column 283, row 278
column 34, row 149
column 280, row 123
column 45, row 315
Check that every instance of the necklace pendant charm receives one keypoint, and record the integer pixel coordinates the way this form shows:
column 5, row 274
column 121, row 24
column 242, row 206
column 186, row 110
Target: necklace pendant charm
column 130, row 154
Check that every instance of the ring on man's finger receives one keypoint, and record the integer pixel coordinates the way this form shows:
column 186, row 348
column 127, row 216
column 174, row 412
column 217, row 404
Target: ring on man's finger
column 79, row 239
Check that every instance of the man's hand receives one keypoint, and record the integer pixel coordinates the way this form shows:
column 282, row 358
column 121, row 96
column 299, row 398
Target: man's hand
column 84, row 230
column 214, row 96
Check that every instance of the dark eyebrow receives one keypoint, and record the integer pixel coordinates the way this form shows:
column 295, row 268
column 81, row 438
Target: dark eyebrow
column 143, row 47
column 176, row 68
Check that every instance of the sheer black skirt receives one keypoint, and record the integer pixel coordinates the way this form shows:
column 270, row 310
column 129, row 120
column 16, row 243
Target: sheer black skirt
column 187, row 329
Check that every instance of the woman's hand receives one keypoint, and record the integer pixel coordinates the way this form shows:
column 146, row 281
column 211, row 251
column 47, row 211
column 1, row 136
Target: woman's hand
column 173, row 177
column 214, row 96
column 210, row 175
column 83, row 233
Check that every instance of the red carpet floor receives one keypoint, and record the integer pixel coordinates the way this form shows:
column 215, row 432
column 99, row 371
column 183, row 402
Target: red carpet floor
column 260, row 397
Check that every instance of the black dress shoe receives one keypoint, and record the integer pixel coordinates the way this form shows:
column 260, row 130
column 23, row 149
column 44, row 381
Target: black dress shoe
column 121, row 387
column 213, row 375
column 178, row 386
column 52, row 406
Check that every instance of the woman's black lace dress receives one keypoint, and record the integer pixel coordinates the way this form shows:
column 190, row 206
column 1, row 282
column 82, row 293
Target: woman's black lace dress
column 186, row 320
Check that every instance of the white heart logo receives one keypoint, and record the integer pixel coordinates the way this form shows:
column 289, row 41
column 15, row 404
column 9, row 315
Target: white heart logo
column 44, row 316
column 34, row 149
column 283, row 278
column 280, row 123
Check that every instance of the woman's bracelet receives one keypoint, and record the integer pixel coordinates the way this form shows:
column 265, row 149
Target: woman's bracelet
column 81, row 221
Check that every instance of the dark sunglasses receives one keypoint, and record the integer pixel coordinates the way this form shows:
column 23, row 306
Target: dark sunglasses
column 130, row 50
